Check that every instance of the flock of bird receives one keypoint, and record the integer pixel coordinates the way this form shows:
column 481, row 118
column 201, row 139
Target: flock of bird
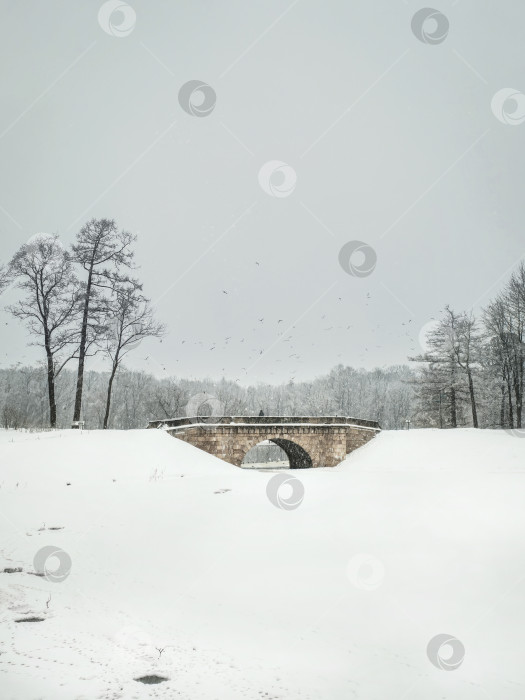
column 278, row 336
column 281, row 336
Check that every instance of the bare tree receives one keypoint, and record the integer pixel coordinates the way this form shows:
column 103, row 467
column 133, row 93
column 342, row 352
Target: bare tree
column 505, row 331
column 168, row 399
column 442, row 378
column 4, row 278
column 103, row 252
column 50, row 309
column 498, row 356
column 504, row 321
column 516, row 302
column 131, row 321
column 464, row 342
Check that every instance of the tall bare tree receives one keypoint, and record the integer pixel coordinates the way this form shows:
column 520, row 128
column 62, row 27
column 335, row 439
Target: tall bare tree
column 516, row 297
column 103, row 252
column 505, row 325
column 498, row 356
column 50, row 308
column 449, row 355
column 464, row 344
column 130, row 322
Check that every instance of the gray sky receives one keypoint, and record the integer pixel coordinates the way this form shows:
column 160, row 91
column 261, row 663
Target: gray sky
column 393, row 142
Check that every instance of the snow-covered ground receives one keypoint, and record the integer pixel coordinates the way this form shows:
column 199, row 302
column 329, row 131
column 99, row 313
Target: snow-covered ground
column 415, row 535
column 266, row 465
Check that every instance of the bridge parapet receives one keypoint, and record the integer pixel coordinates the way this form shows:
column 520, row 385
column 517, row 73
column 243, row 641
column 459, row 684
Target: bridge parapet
column 264, row 420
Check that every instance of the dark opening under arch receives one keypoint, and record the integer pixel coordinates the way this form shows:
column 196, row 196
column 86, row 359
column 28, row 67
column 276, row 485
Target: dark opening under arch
column 297, row 456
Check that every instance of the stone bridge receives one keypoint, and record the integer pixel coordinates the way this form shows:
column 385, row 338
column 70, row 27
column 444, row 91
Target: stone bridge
column 307, row 442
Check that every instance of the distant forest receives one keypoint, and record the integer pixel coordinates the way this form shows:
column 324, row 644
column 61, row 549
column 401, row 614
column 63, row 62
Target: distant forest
column 138, row 397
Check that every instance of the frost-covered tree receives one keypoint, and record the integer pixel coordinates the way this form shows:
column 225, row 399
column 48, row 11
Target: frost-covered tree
column 104, row 253
column 42, row 269
column 465, row 343
column 167, row 399
column 446, row 381
column 4, row 278
column 129, row 322
column 504, row 320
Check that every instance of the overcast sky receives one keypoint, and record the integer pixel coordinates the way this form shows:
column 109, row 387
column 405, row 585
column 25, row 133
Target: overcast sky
column 391, row 140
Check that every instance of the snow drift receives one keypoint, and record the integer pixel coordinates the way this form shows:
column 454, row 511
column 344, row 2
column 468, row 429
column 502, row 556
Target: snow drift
column 182, row 567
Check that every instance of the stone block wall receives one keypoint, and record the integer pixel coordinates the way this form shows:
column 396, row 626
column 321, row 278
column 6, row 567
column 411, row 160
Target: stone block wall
column 306, row 445
column 356, row 437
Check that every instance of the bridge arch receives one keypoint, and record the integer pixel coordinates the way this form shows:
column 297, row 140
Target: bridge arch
column 298, row 457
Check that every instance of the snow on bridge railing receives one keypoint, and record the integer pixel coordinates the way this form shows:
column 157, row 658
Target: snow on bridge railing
column 339, row 421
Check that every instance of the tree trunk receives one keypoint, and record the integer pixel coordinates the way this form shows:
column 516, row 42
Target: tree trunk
column 108, row 399
column 518, row 395
column 519, row 401
column 51, row 390
column 472, row 399
column 453, row 408
column 82, row 351
column 502, row 407
column 511, row 408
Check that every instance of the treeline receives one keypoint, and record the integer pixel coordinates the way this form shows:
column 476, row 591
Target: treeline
column 473, row 370
column 138, row 397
